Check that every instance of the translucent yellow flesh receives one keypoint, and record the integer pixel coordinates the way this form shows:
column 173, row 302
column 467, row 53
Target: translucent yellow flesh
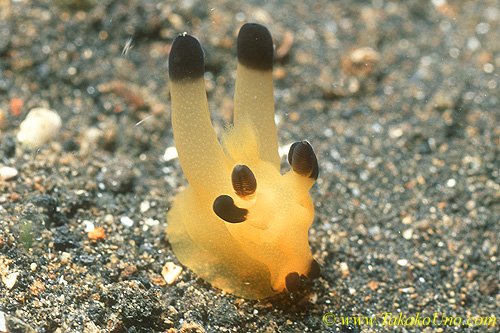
column 200, row 153
column 254, row 101
column 249, row 259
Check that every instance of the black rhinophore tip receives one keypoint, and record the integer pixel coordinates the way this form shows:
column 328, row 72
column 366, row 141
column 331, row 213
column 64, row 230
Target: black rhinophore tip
column 186, row 59
column 243, row 180
column 255, row 47
column 225, row 208
column 292, row 282
column 303, row 159
column 314, row 270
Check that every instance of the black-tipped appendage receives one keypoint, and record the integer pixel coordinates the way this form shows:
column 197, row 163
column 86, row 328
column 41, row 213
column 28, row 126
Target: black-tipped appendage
column 225, row 208
column 303, row 160
column 243, row 180
column 292, row 282
column 255, row 47
column 186, row 59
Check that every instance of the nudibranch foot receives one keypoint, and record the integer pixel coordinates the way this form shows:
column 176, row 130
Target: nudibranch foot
column 214, row 256
column 240, row 224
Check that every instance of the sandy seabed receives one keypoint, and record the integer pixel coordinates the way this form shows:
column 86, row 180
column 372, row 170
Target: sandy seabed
column 399, row 99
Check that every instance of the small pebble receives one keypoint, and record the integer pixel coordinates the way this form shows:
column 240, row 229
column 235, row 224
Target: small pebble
column 86, row 259
column 40, row 126
column 7, row 173
column 408, row 233
column 16, row 106
column 170, row 154
column 128, row 272
column 126, row 221
column 344, row 268
column 63, row 238
column 109, row 219
column 171, row 272
column 402, row 262
column 97, row 234
column 363, row 61
column 144, row 206
column 3, row 325
column 407, row 219
column 409, row 290
column 89, row 226
column 65, row 258
column 373, row 285
column 10, row 280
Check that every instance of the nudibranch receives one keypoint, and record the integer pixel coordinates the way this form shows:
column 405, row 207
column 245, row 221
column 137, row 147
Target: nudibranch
column 240, row 224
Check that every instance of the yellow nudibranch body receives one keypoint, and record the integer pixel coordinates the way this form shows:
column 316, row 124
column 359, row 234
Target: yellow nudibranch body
column 240, row 225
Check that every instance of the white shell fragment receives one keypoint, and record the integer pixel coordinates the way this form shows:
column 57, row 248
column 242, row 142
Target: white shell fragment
column 3, row 325
column 7, row 173
column 170, row 154
column 10, row 279
column 171, row 272
column 126, row 221
column 39, row 127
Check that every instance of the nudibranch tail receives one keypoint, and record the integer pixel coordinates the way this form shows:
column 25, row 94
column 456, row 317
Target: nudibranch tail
column 253, row 98
column 200, row 153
